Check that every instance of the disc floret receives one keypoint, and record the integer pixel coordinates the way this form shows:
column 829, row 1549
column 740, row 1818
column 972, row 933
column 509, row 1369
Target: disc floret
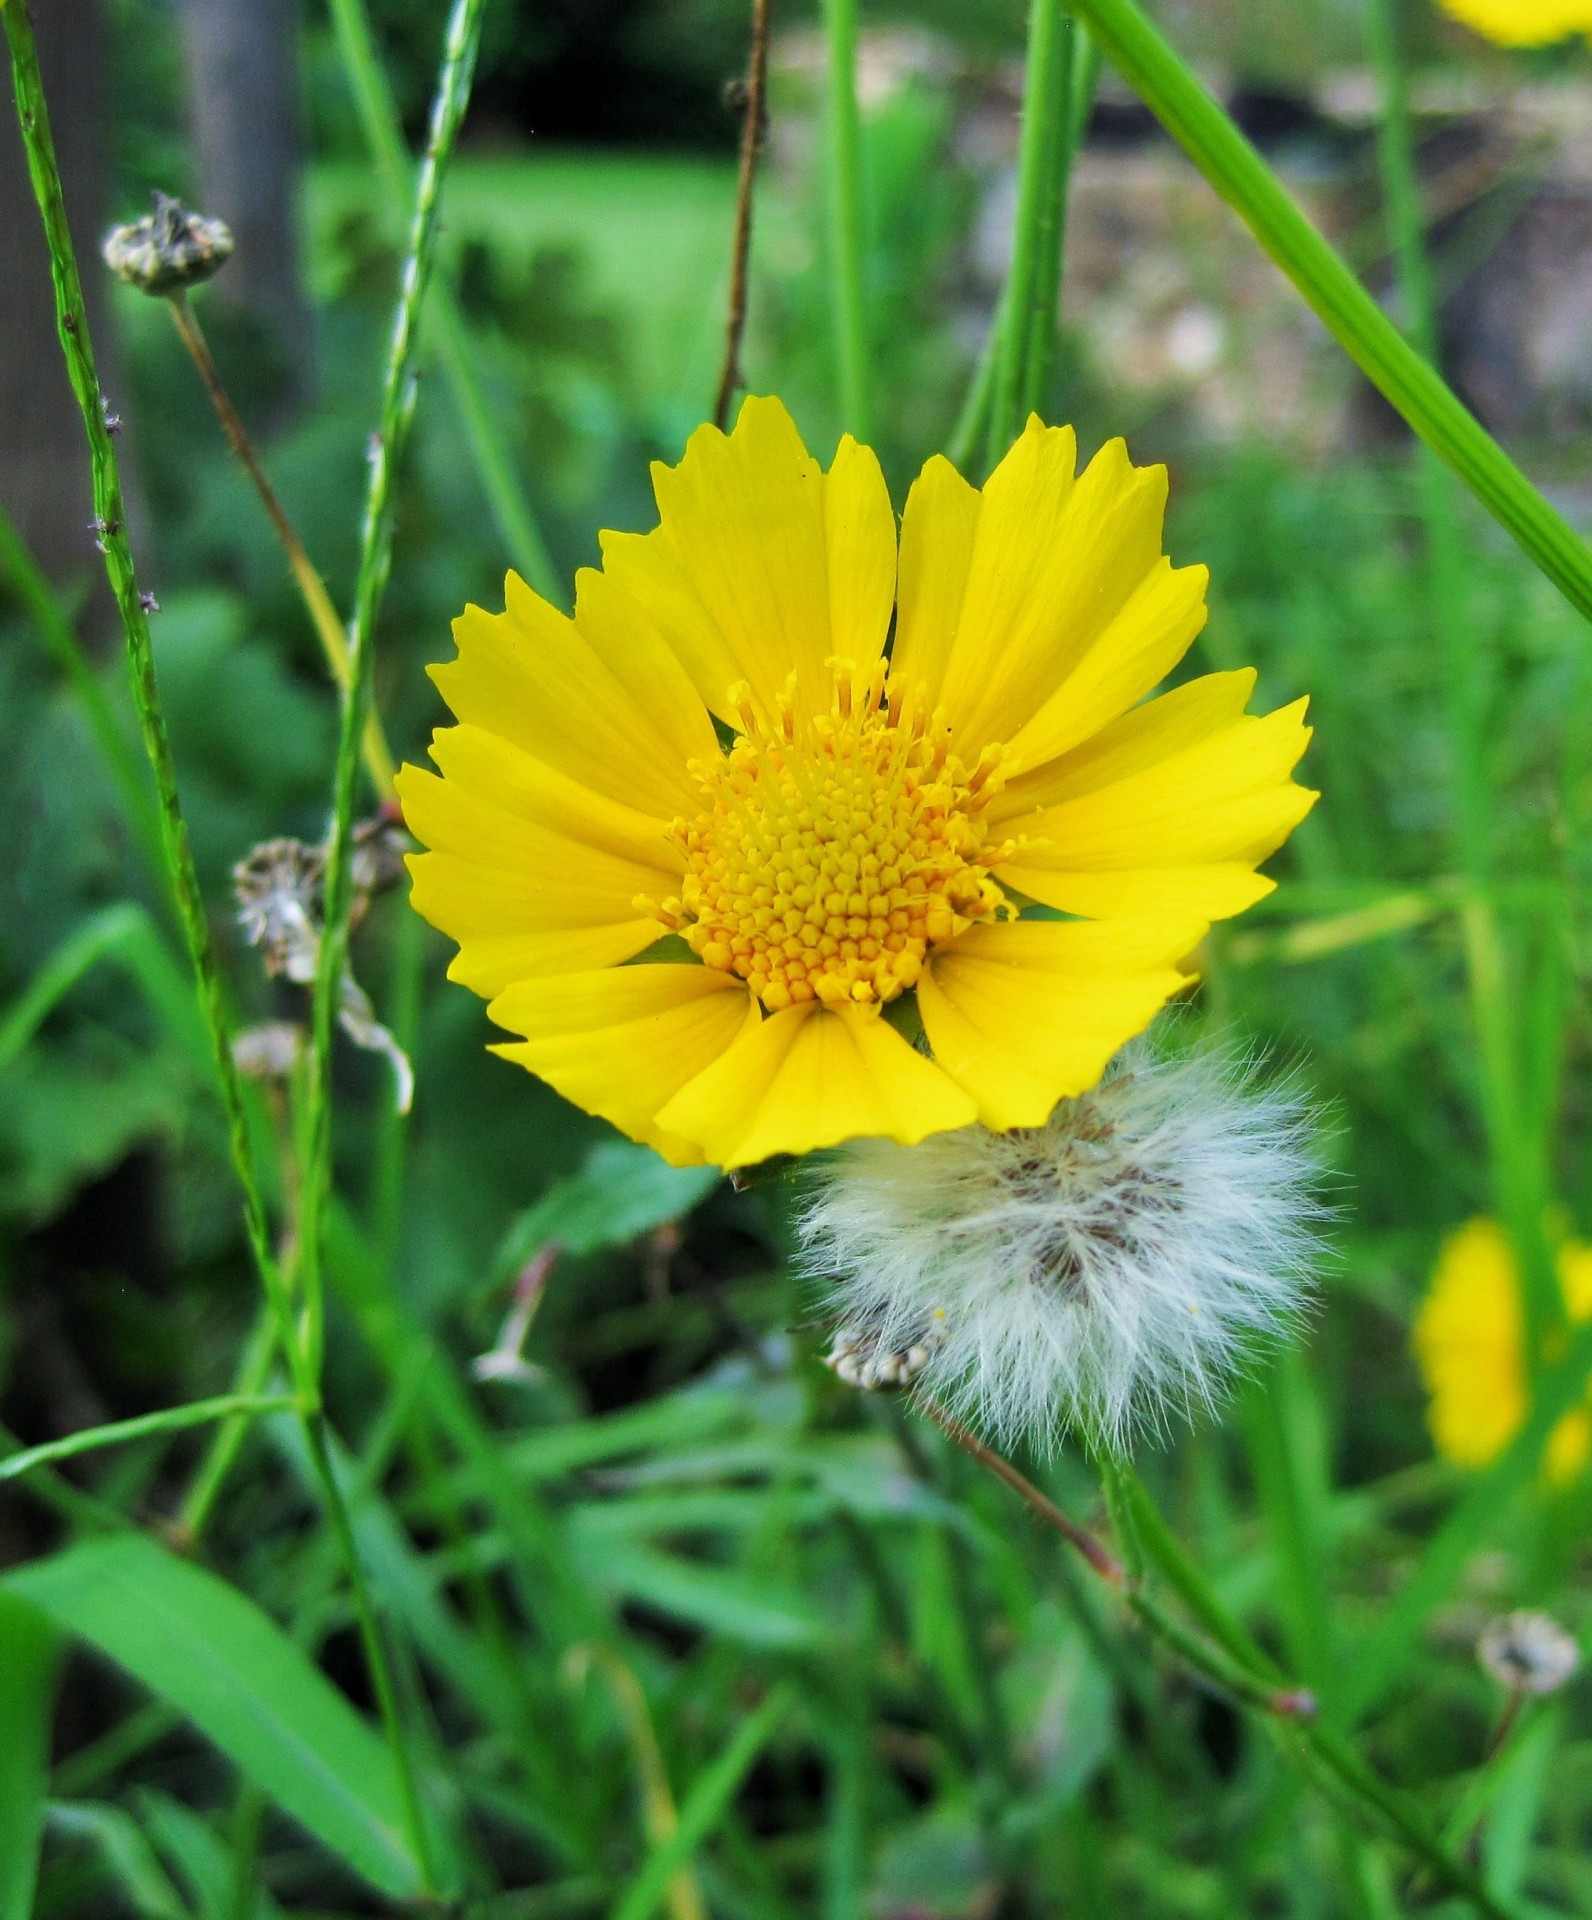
column 834, row 850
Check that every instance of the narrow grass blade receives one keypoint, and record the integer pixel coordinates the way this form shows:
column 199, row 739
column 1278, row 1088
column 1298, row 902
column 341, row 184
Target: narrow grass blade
column 39, row 598
column 198, row 1644
column 146, row 1426
column 1242, row 178
column 704, row 1807
column 27, row 1698
column 129, row 1858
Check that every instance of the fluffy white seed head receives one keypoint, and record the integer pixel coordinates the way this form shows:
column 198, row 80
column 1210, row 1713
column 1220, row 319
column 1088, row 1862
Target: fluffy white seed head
column 1104, row 1270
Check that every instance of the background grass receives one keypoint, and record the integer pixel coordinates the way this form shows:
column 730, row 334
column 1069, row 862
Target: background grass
column 676, row 1581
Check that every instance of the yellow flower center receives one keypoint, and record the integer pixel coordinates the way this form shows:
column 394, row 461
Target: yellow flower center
column 832, row 852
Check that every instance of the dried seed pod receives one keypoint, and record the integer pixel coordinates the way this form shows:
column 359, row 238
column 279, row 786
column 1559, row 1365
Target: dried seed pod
column 169, row 249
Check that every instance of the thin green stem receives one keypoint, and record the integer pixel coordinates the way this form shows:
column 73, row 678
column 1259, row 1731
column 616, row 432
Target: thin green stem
column 39, row 598
column 847, row 216
column 460, row 42
column 116, row 1433
column 1028, row 310
column 1082, row 67
column 1393, row 366
column 971, row 426
column 1234, row 1663
column 253, row 1371
column 111, row 522
column 378, row 117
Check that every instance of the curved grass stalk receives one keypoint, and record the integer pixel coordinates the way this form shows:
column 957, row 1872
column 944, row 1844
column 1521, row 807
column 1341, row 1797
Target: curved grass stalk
column 1237, row 172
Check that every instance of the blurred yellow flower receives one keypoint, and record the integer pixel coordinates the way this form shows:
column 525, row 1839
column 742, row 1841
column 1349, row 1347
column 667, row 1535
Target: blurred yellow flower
column 868, row 829
column 1469, row 1342
column 1523, row 23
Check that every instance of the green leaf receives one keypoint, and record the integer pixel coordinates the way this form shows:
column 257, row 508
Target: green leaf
column 205, row 1862
column 212, row 1654
column 622, row 1192
column 27, row 1693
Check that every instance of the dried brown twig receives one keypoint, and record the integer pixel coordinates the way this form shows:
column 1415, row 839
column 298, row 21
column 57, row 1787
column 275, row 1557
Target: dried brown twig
column 753, row 128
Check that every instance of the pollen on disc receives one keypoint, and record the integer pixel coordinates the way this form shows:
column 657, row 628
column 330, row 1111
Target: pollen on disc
column 833, row 852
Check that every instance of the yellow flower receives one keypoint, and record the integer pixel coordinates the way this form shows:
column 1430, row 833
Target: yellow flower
column 1523, row 23
column 1469, row 1342
column 871, row 831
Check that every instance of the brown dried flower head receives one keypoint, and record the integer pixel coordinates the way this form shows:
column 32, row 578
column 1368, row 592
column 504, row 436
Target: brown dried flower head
column 169, row 249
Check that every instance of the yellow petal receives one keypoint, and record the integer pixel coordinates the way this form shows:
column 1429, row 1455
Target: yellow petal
column 621, row 1043
column 1523, row 23
column 1132, row 807
column 739, row 576
column 1025, row 1015
column 1215, row 890
column 493, row 771
column 530, row 675
column 1135, row 742
column 1054, row 561
column 1136, row 651
column 809, row 1077
column 937, row 532
column 486, row 963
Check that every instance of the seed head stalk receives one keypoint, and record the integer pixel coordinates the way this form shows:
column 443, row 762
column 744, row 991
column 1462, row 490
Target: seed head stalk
column 312, row 589
column 1233, row 1664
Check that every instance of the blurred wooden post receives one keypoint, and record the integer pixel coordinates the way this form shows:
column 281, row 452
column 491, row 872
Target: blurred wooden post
column 246, row 116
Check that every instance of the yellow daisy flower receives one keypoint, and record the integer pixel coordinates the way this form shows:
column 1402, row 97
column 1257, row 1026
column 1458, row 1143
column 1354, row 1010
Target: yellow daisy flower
column 1469, row 1343
column 716, row 768
column 1523, row 23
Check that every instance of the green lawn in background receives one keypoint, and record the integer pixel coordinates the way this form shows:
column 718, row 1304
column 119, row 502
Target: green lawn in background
column 651, row 234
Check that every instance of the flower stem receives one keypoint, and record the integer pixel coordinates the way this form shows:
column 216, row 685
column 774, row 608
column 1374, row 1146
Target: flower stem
column 843, row 131
column 1221, row 152
column 312, row 589
column 753, row 129
column 1234, row 1665
column 1028, row 310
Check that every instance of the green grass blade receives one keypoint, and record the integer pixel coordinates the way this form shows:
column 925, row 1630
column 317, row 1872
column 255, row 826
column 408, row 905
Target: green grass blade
column 198, row 1644
column 129, row 1858
column 1242, row 178
column 27, row 1697
column 703, row 1808
column 146, row 1426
